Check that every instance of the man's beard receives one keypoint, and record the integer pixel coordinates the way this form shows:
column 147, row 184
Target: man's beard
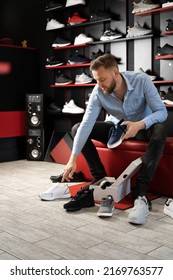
column 110, row 89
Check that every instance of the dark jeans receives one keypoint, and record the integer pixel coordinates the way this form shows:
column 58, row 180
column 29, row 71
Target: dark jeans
column 156, row 137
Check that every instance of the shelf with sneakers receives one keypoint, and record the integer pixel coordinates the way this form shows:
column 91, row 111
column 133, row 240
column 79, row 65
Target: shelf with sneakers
column 167, row 33
column 74, row 85
column 122, row 39
column 69, row 66
column 163, row 82
column 155, row 11
column 170, row 56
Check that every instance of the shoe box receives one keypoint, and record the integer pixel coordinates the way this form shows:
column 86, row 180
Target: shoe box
column 120, row 187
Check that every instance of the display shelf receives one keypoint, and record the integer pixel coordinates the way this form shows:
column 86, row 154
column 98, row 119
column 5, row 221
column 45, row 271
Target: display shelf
column 122, row 39
column 155, row 11
column 84, row 24
column 71, row 46
column 17, row 47
column 167, row 33
column 170, row 56
column 73, row 85
column 163, row 82
column 69, row 66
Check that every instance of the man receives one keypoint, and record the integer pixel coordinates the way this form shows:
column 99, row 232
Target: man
column 130, row 96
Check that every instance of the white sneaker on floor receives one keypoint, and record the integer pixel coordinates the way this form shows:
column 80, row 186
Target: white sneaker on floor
column 168, row 208
column 140, row 211
column 72, row 108
column 59, row 190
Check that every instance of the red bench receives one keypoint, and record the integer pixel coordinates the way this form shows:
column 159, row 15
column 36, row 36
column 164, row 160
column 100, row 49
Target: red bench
column 116, row 160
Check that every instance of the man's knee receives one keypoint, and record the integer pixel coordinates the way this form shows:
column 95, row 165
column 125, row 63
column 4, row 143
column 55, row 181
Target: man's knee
column 74, row 129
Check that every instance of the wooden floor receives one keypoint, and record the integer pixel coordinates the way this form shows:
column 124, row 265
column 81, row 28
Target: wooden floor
column 31, row 229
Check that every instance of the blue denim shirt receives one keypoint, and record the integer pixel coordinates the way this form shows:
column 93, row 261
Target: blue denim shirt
column 141, row 102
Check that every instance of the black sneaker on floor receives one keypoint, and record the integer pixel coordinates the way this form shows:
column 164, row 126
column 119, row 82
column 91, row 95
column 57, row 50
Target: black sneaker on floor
column 83, row 199
column 77, row 177
column 116, row 134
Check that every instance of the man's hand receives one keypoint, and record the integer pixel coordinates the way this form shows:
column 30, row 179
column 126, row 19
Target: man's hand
column 133, row 128
column 69, row 169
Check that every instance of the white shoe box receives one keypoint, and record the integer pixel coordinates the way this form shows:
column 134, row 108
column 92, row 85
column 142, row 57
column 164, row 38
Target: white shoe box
column 120, row 187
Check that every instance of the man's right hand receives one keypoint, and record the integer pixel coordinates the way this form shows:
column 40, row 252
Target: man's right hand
column 69, row 169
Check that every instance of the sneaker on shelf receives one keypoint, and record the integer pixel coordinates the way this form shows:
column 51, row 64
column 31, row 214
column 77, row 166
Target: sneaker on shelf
column 71, row 108
column 106, row 207
column 77, row 177
column 53, row 61
column 87, row 98
column 99, row 15
column 83, row 199
column 60, row 42
column 95, row 55
column 168, row 207
column 83, row 79
column 167, row 4
column 109, row 34
column 62, row 79
column 54, row 109
column 82, row 39
column 54, row 24
column 116, row 134
column 77, row 59
column 137, row 30
column 167, row 97
column 74, row 2
column 149, row 73
column 144, row 5
column 60, row 190
column 169, row 27
column 140, row 211
column 53, row 5
column 167, row 49
column 76, row 19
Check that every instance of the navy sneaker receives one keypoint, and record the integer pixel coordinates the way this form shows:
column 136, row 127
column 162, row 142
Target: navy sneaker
column 116, row 134
column 53, row 61
column 78, row 59
column 62, row 79
column 95, row 55
column 60, row 42
column 84, row 198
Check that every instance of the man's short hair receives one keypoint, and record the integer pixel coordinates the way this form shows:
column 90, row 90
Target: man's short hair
column 106, row 60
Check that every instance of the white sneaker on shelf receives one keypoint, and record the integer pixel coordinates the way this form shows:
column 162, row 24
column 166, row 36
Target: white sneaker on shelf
column 59, row 190
column 83, row 79
column 82, row 39
column 54, row 24
column 72, row 108
column 167, row 4
column 74, row 2
column 140, row 211
column 168, row 208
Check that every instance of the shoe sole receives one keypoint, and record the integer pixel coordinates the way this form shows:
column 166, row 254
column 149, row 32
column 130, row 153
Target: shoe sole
column 106, row 214
column 110, row 38
column 168, row 213
column 60, row 45
column 55, row 197
column 79, row 208
column 141, row 222
column 116, row 144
